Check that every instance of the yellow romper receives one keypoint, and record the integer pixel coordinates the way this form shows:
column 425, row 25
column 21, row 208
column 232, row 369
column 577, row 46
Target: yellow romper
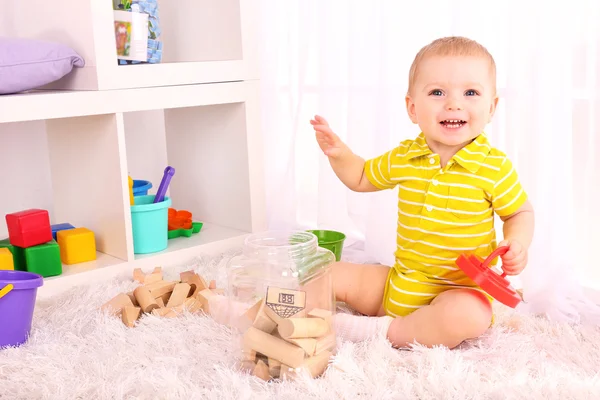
column 442, row 213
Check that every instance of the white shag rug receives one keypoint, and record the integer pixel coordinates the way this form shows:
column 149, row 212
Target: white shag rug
column 75, row 352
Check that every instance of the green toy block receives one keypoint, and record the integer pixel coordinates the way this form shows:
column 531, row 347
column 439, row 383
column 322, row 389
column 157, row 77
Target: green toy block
column 18, row 254
column 44, row 259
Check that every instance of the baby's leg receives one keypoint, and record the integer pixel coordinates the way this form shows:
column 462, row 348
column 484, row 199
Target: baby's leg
column 452, row 317
column 361, row 287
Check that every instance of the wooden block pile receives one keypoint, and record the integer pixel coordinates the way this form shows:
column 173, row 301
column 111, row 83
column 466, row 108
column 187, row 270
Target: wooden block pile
column 281, row 338
column 162, row 298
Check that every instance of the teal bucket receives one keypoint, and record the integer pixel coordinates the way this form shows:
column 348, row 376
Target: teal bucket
column 149, row 223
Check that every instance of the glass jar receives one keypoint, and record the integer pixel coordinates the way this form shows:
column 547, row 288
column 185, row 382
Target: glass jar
column 282, row 304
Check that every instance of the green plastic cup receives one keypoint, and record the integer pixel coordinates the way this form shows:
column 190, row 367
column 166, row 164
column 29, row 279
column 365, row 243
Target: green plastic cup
column 330, row 240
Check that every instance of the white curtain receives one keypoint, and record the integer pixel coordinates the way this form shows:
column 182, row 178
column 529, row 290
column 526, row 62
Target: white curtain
column 348, row 61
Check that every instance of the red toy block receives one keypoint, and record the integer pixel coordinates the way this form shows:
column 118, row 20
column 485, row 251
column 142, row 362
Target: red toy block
column 29, row 228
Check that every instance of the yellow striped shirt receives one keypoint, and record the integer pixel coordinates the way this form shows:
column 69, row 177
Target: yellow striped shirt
column 443, row 212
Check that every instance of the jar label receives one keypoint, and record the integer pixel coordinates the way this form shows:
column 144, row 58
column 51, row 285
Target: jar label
column 285, row 302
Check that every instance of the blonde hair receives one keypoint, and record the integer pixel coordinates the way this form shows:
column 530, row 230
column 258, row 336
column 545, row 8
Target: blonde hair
column 449, row 46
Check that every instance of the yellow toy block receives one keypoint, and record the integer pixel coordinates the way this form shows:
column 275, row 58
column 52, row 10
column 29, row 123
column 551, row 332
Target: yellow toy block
column 76, row 245
column 6, row 259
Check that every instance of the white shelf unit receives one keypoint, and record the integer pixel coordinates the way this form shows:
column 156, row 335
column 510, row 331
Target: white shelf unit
column 210, row 134
column 205, row 41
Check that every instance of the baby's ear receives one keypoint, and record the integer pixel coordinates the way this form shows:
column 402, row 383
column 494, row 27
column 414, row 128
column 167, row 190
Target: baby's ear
column 493, row 107
column 410, row 108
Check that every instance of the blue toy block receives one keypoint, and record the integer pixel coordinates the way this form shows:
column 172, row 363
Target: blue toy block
column 60, row 227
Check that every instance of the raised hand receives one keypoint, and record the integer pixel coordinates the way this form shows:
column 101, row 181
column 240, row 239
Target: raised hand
column 329, row 142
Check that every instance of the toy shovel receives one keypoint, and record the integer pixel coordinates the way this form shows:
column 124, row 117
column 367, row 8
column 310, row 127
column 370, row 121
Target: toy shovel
column 491, row 282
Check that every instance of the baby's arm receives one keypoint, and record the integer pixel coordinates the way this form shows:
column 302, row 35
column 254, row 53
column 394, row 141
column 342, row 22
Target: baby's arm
column 348, row 167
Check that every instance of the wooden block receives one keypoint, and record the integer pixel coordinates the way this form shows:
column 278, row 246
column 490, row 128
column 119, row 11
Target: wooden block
column 165, row 297
column 285, row 302
column 158, row 289
column 307, row 344
column 296, row 328
column 145, row 299
column 160, row 302
column 212, row 284
column 153, row 277
column 130, row 314
column 133, row 299
column 218, row 291
column 179, row 294
column 274, row 367
column 325, row 343
column 247, row 366
column 203, row 296
column 320, row 313
column 196, row 282
column 273, row 347
column 138, row 275
column 192, row 305
column 116, row 304
column 315, row 366
column 248, row 354
column 261, row 370
column 165, row 312
column 262, row 321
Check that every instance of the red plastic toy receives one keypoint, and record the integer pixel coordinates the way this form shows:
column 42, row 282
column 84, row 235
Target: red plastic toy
column 494, row 284
column 29, row 228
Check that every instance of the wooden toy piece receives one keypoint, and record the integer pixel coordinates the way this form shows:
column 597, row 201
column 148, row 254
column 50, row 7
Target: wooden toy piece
column 116, row 304
column 274, row 367
column 76, row 245
column 133, row 299
column 262, row 320
column 179, row 294
column 164, row 312
column 262, row 371
column 129, row 315
column 325, row 343
column 320, row 313
column 164, row 297
column 309, row 345
column 44, row 259
column 273, row 347
column 294, row 328
column 204, row 297
column 193, row 305
column 145, row 299
column 196, row 281
column 315, row 366
column 160, row 302
column 219, row 291
column 29, row 227
column 212, row 284
column 6, row 260
column 158, row 289
column 138, row 275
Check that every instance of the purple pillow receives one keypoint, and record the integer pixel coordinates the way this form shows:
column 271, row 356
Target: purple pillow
column 27, row 64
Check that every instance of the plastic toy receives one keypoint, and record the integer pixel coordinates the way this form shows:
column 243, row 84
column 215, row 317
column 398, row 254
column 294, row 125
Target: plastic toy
column 6, row 260
column 29, row 228
column 141, row 187
column 180, row 224
column 131, row 201
column 494, row 284
column 18, row 254
column 60, row 227
column 77, row 245
column 44, row 259
column 18, row 291
column 164, row 184
column 330, row 240
column 149, row 224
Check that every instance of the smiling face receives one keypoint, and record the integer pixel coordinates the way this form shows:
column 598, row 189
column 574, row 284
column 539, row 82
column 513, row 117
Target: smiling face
column 452, row 99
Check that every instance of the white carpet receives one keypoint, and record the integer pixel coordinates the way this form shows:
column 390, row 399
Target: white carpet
column 77, row 353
